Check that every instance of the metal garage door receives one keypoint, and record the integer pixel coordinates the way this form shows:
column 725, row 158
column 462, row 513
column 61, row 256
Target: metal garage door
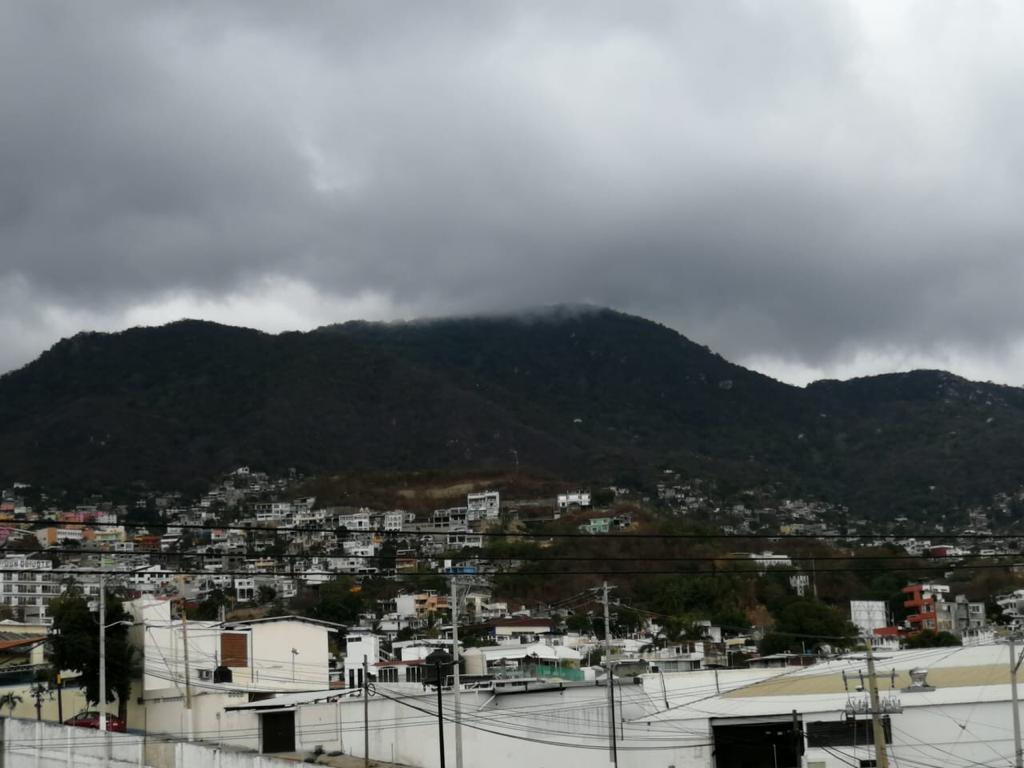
column 278, row 731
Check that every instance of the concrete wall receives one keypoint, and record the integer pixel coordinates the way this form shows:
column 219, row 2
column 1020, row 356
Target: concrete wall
column 557, row 729
column 73, row 703
column 27, row 744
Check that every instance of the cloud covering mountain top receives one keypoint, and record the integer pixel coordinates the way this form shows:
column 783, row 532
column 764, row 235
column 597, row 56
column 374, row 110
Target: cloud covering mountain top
column 812, row 189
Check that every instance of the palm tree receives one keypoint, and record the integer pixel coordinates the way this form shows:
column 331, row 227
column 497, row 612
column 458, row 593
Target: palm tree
column 10, row 700
column 675, row 629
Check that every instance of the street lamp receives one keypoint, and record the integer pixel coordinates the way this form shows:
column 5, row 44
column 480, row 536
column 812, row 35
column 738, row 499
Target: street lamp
column 103, row 654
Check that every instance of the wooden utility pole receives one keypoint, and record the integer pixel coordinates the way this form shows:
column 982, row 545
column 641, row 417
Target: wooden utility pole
column 881, row 755
column 440, row 714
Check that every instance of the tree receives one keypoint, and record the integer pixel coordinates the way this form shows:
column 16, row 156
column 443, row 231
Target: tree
column 340, row 601
column 580, row 622
column 76, row 646
column 265, row 594
column 10, row 700
column 673, row 630
column 807, row 623
column 385, row 559
column 929, row 638
column 209, row 609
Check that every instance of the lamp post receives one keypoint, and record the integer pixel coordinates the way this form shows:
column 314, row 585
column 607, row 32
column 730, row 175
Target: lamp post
column 102, row 703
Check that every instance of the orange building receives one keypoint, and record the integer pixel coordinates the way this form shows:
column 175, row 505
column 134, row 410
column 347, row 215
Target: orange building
column 921, row 602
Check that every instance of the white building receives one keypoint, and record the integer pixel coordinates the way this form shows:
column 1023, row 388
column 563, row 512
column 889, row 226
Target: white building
column 1012, row 605
column 766, row 560
column 151, row 578
column 573, row 498
column 245, row 589
column 225, row 663
column 356, row 521
column 393, row 521
column 28, row 586
column 485, row 505
column 272, row 511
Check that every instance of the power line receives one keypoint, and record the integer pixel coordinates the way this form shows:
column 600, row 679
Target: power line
column 720, row 572
column 491, row 556
column 513, row 535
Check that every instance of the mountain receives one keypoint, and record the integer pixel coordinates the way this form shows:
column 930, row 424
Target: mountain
column 589, row 394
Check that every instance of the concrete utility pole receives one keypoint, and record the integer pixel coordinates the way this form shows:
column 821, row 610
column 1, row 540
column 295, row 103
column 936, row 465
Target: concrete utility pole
column 366, row 712
column 457, row 686
column 881, row 755
column 103, row 655
column 613, row 748
column 1018, row 753
column 189, row 731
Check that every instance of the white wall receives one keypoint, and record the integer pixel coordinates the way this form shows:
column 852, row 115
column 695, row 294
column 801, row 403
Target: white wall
column 163, row 647
column 270, row 650
column 543, row 730
column 27, row 744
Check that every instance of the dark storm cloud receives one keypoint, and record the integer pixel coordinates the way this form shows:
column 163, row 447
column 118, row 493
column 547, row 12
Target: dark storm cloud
column 813, row 188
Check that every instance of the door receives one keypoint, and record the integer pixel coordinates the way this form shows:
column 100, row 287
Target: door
column 278, row 731
column 757, row 745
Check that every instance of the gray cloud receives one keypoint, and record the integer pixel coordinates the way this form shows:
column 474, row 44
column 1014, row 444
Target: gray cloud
column 813, row 189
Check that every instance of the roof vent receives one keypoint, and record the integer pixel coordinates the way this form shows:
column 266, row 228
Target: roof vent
column 918, row 681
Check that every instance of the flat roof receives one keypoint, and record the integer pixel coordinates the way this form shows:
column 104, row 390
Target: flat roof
column 957, row 675
column 287, row 700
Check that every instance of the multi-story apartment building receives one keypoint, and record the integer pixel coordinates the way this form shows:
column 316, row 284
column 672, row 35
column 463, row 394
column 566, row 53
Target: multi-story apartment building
column 272, row 511
column 28, row 586
column 485, row 505
column 393, row 521
column 959, row 616
column 452, row 518
column 921, row 600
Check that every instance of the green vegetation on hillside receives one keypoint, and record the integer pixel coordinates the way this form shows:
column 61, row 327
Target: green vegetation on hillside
column 584, row 395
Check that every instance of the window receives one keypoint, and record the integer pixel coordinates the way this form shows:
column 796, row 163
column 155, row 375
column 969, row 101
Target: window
column 234, row 649
column 844, row 733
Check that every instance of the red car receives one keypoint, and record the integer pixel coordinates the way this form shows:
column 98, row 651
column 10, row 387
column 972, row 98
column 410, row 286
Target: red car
column 92, row 720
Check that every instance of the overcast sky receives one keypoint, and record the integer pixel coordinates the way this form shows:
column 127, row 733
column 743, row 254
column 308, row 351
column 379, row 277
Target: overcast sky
column 810, row 188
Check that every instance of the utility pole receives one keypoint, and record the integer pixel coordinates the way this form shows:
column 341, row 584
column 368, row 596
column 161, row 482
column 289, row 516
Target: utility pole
column 103, row 655
column 188, row 674
column 1018, row 753
column 455, row 671
column 38, row 691
column 613, row 748
column 366, row 712
column 440, row 714
column 881, row 755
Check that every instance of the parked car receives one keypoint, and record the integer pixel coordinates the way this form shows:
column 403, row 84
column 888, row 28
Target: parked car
column 91, row 719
